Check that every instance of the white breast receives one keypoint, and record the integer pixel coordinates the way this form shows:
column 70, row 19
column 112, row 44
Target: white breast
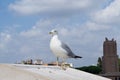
column 55, row 46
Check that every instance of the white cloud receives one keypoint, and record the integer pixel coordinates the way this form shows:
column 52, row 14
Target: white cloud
column 40, row 29
column 41, row 6
column 5, row 38
column 110, row 14
column 27, row 7
column 31, row 33
column 96, row 26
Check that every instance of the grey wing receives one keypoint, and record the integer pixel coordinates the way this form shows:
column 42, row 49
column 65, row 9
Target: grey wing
column 69, row 51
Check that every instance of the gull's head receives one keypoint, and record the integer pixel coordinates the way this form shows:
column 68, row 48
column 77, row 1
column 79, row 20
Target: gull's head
column 53, row 32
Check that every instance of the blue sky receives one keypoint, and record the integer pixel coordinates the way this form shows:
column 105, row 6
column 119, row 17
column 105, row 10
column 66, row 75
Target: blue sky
column 82, row 24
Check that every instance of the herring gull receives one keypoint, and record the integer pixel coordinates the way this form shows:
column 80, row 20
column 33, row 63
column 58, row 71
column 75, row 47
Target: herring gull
column 60, row 49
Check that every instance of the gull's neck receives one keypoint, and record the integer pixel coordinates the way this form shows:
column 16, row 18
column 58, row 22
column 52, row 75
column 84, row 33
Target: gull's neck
column 55, row 40
column 55, row 36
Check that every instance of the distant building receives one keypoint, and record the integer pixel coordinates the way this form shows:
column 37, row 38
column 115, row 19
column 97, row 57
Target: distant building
column 33, row 62
column 110, row 65
column 38, row 62
column 60, row 64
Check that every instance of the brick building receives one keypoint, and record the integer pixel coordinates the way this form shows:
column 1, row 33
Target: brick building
column 110, row 65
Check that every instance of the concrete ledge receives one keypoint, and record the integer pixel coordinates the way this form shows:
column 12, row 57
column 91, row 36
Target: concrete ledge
column 8, row 72
column 40, row 72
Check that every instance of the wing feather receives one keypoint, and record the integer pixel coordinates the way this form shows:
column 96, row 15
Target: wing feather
column 68, row 50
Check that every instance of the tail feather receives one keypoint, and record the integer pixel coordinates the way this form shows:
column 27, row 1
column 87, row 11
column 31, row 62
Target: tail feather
column 77, row 57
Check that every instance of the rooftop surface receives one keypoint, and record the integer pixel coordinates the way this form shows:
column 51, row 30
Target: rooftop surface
column 40, row 72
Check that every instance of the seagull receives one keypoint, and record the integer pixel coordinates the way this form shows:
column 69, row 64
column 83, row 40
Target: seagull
column 60, row 49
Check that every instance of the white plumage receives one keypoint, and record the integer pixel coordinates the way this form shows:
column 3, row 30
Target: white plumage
column 55, row 46
column 60, row 49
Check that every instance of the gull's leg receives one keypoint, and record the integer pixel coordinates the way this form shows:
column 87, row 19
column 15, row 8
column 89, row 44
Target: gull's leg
column 57, row 61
